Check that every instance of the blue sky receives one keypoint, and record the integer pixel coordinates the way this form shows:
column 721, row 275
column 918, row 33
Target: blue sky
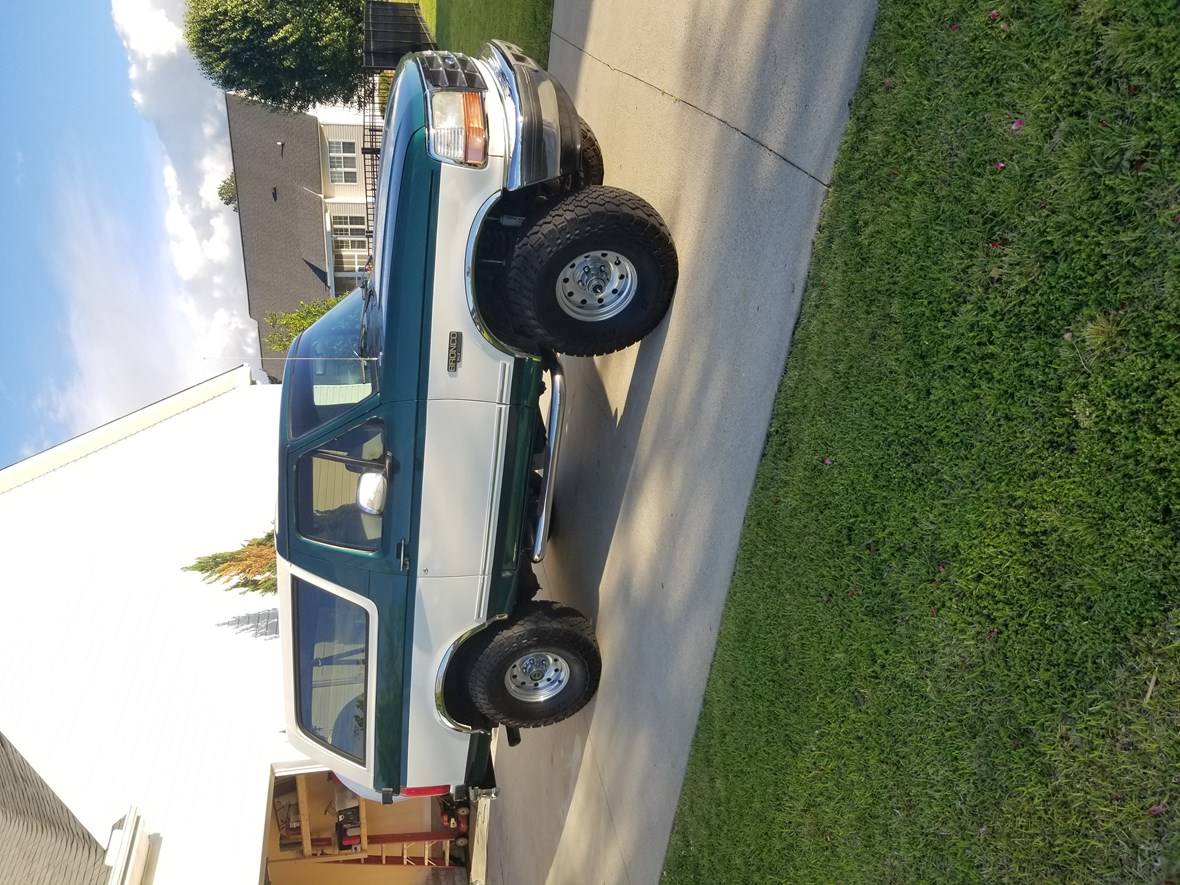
column 123, row 278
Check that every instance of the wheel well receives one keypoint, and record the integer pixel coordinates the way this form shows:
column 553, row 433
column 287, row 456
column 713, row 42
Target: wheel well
column 456, row 703
column 501, row 228
column 455, row 700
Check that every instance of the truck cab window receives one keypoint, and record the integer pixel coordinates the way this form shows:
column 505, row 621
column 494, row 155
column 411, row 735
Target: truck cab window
column 333, row 365
column 326, row 488
column 331, row 664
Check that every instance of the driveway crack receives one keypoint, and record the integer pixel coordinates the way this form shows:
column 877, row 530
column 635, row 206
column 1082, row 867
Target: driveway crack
column 698, row 108
column 609, row 811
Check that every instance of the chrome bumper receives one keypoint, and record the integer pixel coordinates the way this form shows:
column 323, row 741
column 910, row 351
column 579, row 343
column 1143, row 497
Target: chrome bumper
column 544, row 135
column 556, row 429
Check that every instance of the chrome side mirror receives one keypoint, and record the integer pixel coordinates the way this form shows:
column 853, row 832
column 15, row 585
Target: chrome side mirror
column 370, row 493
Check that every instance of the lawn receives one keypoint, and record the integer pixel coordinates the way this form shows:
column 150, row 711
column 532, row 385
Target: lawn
column 951, row 649
column 465, row 25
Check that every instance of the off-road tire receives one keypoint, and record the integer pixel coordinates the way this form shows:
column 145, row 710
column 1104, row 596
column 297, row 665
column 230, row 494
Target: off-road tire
column 586, row 221
column 536, row 625
column 592, row 167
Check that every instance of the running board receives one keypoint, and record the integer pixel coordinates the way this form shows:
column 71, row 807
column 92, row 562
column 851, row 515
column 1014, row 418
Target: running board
column 556, row 428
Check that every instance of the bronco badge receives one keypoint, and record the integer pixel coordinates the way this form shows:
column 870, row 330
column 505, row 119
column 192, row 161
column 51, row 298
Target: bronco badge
column 454, row 352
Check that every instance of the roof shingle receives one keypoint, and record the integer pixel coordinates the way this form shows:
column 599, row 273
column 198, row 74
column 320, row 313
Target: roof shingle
column 41, row 842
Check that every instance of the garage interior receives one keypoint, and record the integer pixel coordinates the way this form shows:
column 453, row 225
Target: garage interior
column 321, row 833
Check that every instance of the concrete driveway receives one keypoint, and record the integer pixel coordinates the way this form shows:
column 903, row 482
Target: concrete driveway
column 726, row 115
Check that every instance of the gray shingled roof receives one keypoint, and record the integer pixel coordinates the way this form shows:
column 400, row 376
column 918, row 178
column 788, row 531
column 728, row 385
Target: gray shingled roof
column 41, row 842
column 280, row 210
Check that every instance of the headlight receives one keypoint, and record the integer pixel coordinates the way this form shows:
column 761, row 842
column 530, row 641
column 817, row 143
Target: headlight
column 458, row 127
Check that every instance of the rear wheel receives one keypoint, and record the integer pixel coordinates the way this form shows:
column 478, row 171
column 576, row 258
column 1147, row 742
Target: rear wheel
column 541, row 667
column 593, row 274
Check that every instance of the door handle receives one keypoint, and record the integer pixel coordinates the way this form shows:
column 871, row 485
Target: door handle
column 403, row 555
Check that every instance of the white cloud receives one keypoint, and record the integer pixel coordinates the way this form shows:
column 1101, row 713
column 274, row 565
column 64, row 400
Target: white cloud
column 147, row 29
column 139, row 333
column 187, row 254
column 129, row 334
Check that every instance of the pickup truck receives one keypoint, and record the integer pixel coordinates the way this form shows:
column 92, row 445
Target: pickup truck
column 416, row 470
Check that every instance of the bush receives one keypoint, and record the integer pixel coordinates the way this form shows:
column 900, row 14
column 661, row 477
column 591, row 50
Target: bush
column 250, row 568
column 284, row 327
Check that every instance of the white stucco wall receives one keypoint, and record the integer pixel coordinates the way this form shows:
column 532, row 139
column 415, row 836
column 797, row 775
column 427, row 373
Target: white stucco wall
column 125, row 680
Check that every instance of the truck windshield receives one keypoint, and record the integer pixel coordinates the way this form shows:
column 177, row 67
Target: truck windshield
column 331, row 651
column 334, row 364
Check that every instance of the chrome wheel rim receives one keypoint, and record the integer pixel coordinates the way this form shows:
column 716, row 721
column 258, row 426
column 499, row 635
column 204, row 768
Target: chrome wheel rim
column 537, row 676
column 596, row 285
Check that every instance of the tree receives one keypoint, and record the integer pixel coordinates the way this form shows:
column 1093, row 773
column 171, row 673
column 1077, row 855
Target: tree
column 250, row 568
column 285, row 326
column 288, row 53
column 227, row 191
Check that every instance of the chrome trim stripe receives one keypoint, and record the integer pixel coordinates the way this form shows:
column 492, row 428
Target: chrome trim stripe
column 493, row 505
column 506, row 85
column 440, row 680
column 503, row 390
column 555, row 431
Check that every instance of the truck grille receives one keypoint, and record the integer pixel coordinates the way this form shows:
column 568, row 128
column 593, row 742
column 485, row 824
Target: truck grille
column 447, row 70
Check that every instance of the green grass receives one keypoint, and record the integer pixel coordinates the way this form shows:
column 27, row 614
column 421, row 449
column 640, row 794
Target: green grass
column 959, row 579
column 429, row 9
column 465, row 25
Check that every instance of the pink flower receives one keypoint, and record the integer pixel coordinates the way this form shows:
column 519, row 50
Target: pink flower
column 1000, row 165
column 995, row 244
column 1017, row 124
column 826, row 460
column 994, row 14
column 1157, row 810
column 1004, row 26
column 888, row 84
column 954, row 26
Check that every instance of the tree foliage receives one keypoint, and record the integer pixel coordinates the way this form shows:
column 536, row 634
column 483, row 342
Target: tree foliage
column 285, row 326
column 288, row 53
column 250, row 568
column 227, row 191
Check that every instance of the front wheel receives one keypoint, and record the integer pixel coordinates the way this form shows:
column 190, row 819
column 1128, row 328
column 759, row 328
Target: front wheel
column 592, row 168
column 541, row 668
column 594, row 274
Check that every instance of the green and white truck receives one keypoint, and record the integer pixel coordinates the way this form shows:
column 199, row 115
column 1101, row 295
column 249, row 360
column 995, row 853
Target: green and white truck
column 417, row 472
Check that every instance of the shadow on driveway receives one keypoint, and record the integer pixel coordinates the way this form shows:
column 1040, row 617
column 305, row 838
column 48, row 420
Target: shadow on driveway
column 725, row 116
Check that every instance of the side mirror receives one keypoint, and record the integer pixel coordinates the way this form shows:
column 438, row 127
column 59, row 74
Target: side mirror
column 370, row 493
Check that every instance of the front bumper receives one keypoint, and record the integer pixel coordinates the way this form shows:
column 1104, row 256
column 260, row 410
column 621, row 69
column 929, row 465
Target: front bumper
column 544, row 133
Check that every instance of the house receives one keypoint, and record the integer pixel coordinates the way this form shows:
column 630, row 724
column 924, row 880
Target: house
column 148, row 702
column 41, row 842
column 302, row 209
column 306, row 182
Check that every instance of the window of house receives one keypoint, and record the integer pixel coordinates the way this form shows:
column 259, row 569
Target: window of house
column 350, row 250
column 342, row 162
